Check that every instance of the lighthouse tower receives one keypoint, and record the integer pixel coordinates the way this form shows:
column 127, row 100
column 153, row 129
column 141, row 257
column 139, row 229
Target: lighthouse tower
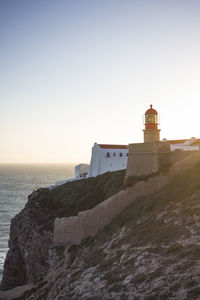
column 151, row 131
column 152, row 155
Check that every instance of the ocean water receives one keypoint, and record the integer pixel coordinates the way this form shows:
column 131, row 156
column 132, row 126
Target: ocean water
column 16, row 183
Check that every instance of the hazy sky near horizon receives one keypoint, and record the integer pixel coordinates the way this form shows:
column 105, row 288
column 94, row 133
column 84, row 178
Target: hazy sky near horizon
column 75, row 72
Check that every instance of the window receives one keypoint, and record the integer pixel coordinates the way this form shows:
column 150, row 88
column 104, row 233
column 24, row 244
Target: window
column 151, row 119
column 114, row 154
column 127, row 154
column 107, row 154
column 120, row 154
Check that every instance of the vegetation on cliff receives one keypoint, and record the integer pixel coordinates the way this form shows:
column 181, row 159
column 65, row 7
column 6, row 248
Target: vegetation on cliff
column 72, row 197
column 150, row 251
column 31, row 232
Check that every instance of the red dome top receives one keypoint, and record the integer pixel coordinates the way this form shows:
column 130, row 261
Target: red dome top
column 151, row 111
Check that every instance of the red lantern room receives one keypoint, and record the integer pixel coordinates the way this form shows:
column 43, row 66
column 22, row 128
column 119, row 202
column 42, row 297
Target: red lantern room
column 151, row 118
column 151, row 122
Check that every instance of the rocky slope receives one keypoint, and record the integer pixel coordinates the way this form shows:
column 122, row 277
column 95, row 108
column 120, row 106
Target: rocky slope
column 150, row 251
column 31, row 232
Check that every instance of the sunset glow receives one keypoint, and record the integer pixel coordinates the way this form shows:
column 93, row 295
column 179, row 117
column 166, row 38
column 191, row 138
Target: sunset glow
column 78, row 72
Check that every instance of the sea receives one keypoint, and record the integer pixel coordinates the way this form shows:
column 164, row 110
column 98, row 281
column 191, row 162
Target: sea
column 17, row 181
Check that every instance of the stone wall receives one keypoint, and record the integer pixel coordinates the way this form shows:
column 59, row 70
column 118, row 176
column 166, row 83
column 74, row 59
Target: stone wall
column 72, row 230
column 89, row 222
column 146, row 158
column 151, row 135
column 176, row 156
column 189, row 162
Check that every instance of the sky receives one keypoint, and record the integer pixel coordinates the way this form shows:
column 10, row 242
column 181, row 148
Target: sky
column 76, row 72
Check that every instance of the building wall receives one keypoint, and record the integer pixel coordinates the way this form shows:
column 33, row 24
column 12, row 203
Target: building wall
column 151, row 135
column 81, row 170
column 112, row 164
column 95, row 161
column 100, row 163
column 141, row 164
column 73, row 229
column 182, row 147
column 146, row 158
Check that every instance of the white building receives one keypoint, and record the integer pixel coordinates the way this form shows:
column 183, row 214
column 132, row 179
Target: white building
column 81, row 171
column 107, row 158
column 192, row 144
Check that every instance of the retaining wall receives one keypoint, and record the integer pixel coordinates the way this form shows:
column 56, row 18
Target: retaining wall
column 89, row 222
column 183, row 165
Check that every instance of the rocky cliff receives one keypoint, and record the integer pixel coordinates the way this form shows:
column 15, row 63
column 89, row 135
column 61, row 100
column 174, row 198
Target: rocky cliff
column 31, row 232
column 149, row 251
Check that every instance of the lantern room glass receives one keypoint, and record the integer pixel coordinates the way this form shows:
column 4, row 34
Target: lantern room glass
column 151, row 119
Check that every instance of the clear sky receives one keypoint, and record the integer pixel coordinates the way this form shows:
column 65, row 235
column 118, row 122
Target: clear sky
column 75, row 72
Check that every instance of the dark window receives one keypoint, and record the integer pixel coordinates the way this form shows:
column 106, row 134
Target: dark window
column 126, row 154
column 120, row 154
column 107, row 154
column 114, row 154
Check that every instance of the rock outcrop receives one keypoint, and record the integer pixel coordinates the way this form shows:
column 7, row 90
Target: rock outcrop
column 31, row 232
column 28, row 246
column 151, row 250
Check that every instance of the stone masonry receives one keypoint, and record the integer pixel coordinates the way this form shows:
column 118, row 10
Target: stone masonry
column 72, row 230
column 89, row 222
column 151, row 135
column 146, row 158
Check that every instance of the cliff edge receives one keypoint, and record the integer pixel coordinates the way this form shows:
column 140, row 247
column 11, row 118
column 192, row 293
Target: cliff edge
column 31, row 231
column 151, row 250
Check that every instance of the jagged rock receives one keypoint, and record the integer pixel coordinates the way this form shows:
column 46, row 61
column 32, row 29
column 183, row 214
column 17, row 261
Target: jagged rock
column 28, row 247
column 149, row 251
column 31, row 231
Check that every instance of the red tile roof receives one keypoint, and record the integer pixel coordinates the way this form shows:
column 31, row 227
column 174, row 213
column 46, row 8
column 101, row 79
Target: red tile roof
column 176, row 141
column 107, row 146
column 195, row 143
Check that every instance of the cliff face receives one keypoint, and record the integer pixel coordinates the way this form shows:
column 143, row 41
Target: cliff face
column 31, row 232
column 149, row 251
column 28, row 245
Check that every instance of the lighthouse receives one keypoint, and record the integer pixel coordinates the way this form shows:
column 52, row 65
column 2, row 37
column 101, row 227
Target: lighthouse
column 151, row 122
column 152, row 155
